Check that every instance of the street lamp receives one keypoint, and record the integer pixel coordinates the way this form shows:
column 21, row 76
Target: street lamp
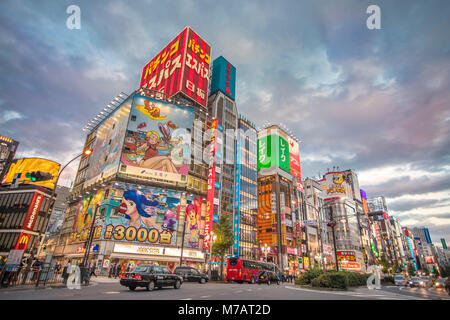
column 213, row 239
column 331, row 224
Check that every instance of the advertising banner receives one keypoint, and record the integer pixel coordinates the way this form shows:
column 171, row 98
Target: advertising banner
column 107, row 147
column 143, row 215
column 192, row 223
column 237, row 199
column 346, row 256
column 223, row 77
column 334, row 186
column 294, row 158
column 211, row 181
column 164, row 72
column 33, row 212
column 87, row 207
column 158, row 140
column 37, row 171
column 182, row 66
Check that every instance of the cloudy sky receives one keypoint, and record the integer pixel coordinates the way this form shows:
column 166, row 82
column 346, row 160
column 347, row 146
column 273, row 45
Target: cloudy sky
column 376, row 101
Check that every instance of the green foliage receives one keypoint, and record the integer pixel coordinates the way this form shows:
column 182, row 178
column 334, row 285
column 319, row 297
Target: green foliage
column 385, row 264
column 425, row 271
column 309, row 275
column 223, row 230
column 337, row 280
column 356, row 279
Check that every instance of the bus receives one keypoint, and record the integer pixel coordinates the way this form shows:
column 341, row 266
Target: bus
column 243, row 270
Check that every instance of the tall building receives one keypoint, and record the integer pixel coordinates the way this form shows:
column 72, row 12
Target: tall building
column 423, row 233
column 377, row 204
column 246, row 192
column 8, row 148
column 280, row 199
column 58, row 210
column 142, row 191
column 221, row 106
column 342, row 210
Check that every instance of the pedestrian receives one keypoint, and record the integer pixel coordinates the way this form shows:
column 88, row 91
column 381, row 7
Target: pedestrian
column 65, row 273
column 110, row 271
column 117, row 273
column 93, row 267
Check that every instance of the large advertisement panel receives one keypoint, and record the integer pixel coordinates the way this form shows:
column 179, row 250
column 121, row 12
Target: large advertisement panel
column 164, row 72
column 182, row 66
column 106, row 149
column 223, row 77
column 158, row 140
column 334, row 186
column 143, row 215
column 277, row 149
column 37, row 171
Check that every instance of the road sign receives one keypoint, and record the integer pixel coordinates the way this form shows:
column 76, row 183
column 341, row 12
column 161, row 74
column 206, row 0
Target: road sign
column 123, row 208
column 14, row 257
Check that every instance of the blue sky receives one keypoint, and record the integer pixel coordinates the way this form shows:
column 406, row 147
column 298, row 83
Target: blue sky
column 376, row 101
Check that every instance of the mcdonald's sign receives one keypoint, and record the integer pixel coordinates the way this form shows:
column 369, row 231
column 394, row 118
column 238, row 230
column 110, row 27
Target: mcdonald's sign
column 22, row 241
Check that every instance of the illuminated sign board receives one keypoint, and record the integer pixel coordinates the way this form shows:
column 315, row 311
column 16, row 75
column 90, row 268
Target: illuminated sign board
column 223, row 77
column 211, row 183
column 182, row 66
column 36, row 171
column 334, row 186
column 8, row 149
column 237, row 198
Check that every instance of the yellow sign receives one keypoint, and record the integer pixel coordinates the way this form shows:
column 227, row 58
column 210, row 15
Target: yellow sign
column 38, row 171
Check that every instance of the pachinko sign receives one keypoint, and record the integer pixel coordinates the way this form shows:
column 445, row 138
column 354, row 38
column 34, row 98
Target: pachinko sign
column 142, row 215
column 334, row 186
column 158, row 140
column 211, row 181
column 192, row 220
column 182, row 66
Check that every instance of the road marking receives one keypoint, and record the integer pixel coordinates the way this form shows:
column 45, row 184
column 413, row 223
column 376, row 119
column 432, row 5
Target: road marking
column 111, row 292
column 205, row 296
column 249, row 289
column 186, row 299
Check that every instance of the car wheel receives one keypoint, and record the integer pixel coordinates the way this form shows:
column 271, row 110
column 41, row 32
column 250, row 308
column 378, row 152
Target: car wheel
column 252, row 281
column 151, row 286
column 268, row 282
column 202, row 281
column 177, row 284
column 132, row 288
column 278, row 282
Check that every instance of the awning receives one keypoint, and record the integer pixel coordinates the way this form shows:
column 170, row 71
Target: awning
column 151, row 257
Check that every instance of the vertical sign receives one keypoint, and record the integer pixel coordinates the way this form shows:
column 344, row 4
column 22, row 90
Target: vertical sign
column 30, row 221
column 284, row 162
column 237, row 198
column 294, row 158
column 211, row 180
column 444, row 244
column 223, row 77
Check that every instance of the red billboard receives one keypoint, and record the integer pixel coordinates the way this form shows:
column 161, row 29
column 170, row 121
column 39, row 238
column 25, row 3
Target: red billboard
column 182, row 66
column 294, row 158
column 33, row 211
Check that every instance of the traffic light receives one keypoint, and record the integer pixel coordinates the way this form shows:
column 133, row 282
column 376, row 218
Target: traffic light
column 43, row 249
column 38, row 176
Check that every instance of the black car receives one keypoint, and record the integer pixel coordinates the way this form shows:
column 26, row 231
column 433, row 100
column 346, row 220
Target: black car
column 191, row 274
column 149, row 277
column 447, row 285
column 268, row 277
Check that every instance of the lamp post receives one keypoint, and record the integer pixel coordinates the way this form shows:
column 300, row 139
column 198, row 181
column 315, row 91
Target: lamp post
column 331, row 224
column 87, row 152
column 213, row 239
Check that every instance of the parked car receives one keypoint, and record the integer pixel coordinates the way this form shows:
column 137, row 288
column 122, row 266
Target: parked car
column 426, row 282
column 268, row 277
column 400, row 280
column 191, row 274
column 149, row 277
column 414, row 282
column 440, row 283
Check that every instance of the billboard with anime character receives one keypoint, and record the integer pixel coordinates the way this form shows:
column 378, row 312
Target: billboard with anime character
column 158, row 140
column 104, row 160
column 88, row 205
column 141, row 215
column 193, row 225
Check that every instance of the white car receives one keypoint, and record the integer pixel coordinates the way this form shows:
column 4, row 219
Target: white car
column 400, row 280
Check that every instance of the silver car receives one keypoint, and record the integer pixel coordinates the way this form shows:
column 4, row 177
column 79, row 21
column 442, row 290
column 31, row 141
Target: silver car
column 400, row 280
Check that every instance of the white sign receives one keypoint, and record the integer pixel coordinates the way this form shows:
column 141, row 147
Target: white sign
column 157, row 251
column 310, row 222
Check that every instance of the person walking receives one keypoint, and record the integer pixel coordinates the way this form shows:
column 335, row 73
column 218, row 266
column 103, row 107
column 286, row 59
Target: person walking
column 93, row 267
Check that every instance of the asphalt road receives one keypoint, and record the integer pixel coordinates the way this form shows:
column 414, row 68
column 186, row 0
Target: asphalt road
column 106, row 289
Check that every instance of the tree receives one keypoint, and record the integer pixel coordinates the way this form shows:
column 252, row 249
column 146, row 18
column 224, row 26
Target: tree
column 425, row 271
column 223, row 230
column 385, row 264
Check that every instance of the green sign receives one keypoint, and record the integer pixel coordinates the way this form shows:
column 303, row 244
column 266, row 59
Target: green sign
column 273, row 151
column 300, row 260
